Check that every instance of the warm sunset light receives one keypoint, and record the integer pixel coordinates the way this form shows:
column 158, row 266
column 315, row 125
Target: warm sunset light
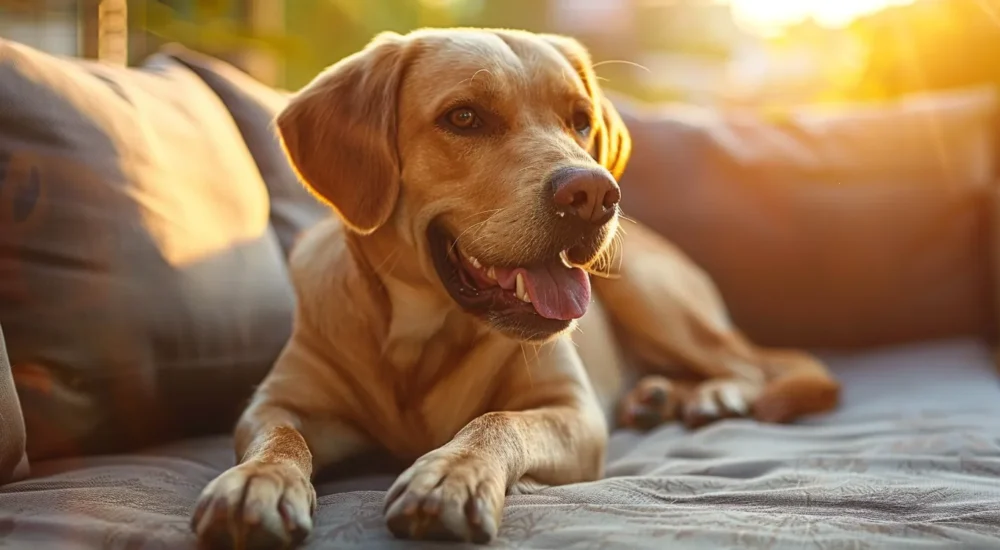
column 770, row 15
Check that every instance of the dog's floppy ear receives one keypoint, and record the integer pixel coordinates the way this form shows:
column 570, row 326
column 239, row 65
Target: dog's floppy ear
column 339, row 132
column 612, row 143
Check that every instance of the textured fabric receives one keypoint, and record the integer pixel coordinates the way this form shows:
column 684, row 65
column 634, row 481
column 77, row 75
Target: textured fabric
column 254, row 106
column 13, row 461
column 861, row 226
column 912, row 460
column 142, row 291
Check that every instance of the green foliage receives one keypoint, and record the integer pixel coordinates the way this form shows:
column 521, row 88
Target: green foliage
column 336, row 28
column 212, row 26
column 930, row 44
column 316, row 32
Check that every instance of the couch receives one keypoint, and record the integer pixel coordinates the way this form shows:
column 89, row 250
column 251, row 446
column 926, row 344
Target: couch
column 146, row 215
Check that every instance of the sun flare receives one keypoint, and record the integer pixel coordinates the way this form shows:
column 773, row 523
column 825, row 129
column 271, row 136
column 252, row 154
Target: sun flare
column 771, row 15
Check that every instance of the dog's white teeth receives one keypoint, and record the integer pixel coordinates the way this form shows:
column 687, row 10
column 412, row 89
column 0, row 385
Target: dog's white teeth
column 565, row 259
column 560, row 213
column 519, row 289
column 491, row 273
column 475, row 263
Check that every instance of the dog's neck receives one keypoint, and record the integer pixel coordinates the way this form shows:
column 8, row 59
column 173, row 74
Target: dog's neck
column 420, row 310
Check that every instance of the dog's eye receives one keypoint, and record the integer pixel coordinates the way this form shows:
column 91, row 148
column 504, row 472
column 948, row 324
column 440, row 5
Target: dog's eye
column 581, row 123
column 463, row 118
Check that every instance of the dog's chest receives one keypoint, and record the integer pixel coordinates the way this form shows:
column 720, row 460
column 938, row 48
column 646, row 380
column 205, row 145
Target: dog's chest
column 447, row 383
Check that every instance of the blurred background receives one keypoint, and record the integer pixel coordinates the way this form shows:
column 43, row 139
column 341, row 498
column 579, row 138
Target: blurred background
column 721, row 53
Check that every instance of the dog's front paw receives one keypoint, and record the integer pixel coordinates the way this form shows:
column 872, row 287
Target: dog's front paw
column 447, row 496
column 255, row 505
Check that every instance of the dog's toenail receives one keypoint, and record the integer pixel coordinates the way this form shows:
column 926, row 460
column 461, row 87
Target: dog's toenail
column 656, row 396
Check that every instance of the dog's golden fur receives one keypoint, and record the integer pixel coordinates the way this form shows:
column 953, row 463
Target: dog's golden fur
column 382, row 357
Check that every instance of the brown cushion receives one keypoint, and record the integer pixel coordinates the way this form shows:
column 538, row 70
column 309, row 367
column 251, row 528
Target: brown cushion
column 254, row 106
column 142, row 290
column 863, row 226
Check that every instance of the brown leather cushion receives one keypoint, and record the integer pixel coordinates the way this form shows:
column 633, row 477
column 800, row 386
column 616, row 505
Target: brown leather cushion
column 864, row 226
column 142, row 291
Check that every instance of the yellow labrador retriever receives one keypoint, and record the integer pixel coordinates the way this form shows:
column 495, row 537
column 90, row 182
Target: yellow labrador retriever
column 448, row 316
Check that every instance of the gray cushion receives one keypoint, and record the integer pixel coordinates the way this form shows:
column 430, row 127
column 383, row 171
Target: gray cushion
column 911, row 461
column 143, row 292
column 254, row 106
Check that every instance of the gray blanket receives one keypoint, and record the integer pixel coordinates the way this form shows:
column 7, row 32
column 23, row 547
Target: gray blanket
column 912, row 460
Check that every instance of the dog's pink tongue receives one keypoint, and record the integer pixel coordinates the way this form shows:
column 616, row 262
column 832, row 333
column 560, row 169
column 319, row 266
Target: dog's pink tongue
column 557, row 291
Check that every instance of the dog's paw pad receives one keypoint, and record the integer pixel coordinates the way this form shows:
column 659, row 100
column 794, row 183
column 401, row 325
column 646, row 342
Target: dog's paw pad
column 653, row 401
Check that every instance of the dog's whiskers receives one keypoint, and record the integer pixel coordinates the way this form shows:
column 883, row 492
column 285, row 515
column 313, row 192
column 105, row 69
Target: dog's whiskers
column 469, row 217
column 527, row 367
column 603, row 266
column 478, row 225
column 394, row 258
column 620, row 62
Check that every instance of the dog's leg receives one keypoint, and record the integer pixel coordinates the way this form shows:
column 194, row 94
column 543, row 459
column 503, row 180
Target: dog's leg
column 797, row 384
column 552, row 432
column 267, row 500
column 669, row 312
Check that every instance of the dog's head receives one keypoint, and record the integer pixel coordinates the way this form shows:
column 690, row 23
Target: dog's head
column 493, row 154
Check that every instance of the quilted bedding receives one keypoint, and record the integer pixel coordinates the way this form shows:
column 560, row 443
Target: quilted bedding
column 912, row 460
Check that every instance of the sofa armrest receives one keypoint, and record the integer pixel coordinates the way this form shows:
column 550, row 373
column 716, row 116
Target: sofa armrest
column 13, row 460
column 867, row 225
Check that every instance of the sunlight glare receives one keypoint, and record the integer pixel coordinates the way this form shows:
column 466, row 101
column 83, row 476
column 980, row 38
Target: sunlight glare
column 770, row 15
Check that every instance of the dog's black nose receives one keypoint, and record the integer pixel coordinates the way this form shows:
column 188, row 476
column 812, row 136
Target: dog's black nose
column 585, row 193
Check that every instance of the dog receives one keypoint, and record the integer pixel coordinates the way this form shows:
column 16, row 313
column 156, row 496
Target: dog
column 478, row 306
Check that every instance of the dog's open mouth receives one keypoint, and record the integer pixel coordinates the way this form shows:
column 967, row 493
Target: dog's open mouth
column 547, row 296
